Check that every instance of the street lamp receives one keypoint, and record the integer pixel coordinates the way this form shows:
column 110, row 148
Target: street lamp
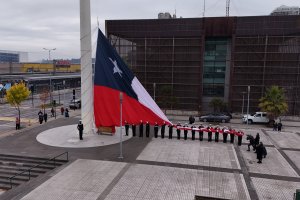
column 248, row 103
column 154, row 86
column 243, row 103
column 49, row 51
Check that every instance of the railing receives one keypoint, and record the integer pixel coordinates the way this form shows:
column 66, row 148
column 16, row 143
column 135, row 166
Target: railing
column 42, row 163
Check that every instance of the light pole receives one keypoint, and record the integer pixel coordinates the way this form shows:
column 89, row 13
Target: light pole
column 121, row 151
column 154, row 87
column 243, row 103
column 64, row 83
column 248, row 103
column 49, row 50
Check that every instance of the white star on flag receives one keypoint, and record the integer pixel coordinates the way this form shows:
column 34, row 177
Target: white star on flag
column 116, row 67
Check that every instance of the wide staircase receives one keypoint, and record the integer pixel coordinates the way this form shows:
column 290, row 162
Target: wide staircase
column 16, row 169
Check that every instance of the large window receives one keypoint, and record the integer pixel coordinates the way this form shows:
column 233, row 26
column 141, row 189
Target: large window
column 214, row 67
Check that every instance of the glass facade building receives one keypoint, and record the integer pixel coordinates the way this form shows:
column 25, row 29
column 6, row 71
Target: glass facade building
column 198, row 59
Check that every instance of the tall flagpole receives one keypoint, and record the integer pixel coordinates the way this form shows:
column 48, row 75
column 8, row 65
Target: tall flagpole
column 87, row 111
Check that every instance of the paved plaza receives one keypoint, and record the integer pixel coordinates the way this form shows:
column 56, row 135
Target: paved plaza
column 156, row 168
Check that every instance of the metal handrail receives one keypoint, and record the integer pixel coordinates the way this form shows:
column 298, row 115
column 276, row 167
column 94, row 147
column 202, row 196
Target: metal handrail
column 42, row 163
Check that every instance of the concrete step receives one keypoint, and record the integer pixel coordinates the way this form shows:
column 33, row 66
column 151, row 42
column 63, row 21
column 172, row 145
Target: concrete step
column 47, row 166
column 34, row 170
column 30, row 158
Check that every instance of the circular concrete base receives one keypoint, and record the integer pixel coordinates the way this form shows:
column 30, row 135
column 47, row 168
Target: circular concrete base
column 67, row 136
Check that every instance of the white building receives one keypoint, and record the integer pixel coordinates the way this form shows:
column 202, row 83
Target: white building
column 286, row 10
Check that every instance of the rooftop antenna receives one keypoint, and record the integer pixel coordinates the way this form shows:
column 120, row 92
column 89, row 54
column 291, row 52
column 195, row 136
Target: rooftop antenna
column 227, row 7
column 203, row 8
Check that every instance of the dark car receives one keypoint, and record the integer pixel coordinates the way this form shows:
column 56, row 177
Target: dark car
column 214, row 117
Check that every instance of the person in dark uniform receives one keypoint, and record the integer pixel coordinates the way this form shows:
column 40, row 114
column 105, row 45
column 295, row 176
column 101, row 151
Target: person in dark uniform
column 257, row 138
column 231, row 132
column 45, row 117
column 141, row 129
column 193, row 132
column 133, row 127
column 225, row 133
column 185, row 131
column 41, row 117
column 170, row 131
column 67, row 112
column 259, row 151
column 217, row 133
column 279, row 126
column 80, row 129
column 178, row 130
column 209, row 128
column 126, row 128
column 155, row 130
column 162, row 130
column 147, row 129
column 240, row 135
column 201, row 132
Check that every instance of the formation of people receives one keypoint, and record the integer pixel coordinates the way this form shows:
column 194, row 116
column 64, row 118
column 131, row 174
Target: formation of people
column 258, row 147
column 213, row 133
column 43, row 116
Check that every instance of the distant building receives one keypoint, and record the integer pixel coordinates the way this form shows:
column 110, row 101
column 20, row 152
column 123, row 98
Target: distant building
column 165, row 15
column 199, row 59
column 286, row 10
column 13, row 56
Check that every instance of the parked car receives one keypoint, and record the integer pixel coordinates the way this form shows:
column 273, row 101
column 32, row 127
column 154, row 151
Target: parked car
column 214, row 117
column 257, row 117
column 75, row 104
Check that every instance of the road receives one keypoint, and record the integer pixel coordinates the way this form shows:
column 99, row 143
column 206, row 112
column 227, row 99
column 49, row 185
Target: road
column 30, row 108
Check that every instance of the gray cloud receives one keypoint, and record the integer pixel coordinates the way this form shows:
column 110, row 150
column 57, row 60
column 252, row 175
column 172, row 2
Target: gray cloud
column 30, row 25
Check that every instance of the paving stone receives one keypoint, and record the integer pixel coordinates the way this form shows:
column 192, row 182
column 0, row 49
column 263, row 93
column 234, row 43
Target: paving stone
column 273, row 164
column 294, row 156
column 275, row 189
column 191, row 153
column 285, row 139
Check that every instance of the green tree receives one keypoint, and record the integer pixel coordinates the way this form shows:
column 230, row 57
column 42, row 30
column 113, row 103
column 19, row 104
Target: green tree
column 273, row 102
column 16, row 95
column 166, row 98
column 217, row 104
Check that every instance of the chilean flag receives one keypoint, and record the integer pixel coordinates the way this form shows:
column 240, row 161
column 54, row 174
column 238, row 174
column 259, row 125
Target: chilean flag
column 112, row 76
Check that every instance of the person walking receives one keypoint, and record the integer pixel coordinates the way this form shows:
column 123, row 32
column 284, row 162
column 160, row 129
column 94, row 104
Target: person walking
column 18, row 123
column 193, row 132
column 147, row 129
column 62, row 110
column 52, row 112
column 80, row 129
column 126, row 128
column 41, row 117
column 67, row 112
column 279, row 126
column 257, row 138
column 45, row 117
column 155, row 130
column 141, row 129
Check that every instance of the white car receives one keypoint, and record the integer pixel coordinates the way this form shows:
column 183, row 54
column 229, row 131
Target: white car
column 258, row 117
column 75, row 104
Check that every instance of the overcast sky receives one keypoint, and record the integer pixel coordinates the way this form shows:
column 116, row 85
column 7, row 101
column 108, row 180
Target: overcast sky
column 31, row 25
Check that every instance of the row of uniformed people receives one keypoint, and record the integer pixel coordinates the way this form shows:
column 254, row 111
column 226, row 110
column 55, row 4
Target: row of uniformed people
column 201, row 130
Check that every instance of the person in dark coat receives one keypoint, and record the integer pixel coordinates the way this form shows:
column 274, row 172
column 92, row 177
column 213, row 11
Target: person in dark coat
column 257, row 138
column 18, row 123
column 41, row 117
column 279, row 126
column 80, row 129
column 133, row 127
column 259, row 152
column 155, row 130
column 185, row 131
column 52, row 112
column 264, row 151
column 193, row 132
column 201, row 132
column 67, row 112
column 225, row 133
column 62, row 110
column 45, row 117
column 162, row 130
column 275, row 126
column 178, row 131
column 126, row 128
column 147, row 129
column 209, row 128
column 170, row 131
column 217, row 134
column 251, row 142
column 141, row 129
